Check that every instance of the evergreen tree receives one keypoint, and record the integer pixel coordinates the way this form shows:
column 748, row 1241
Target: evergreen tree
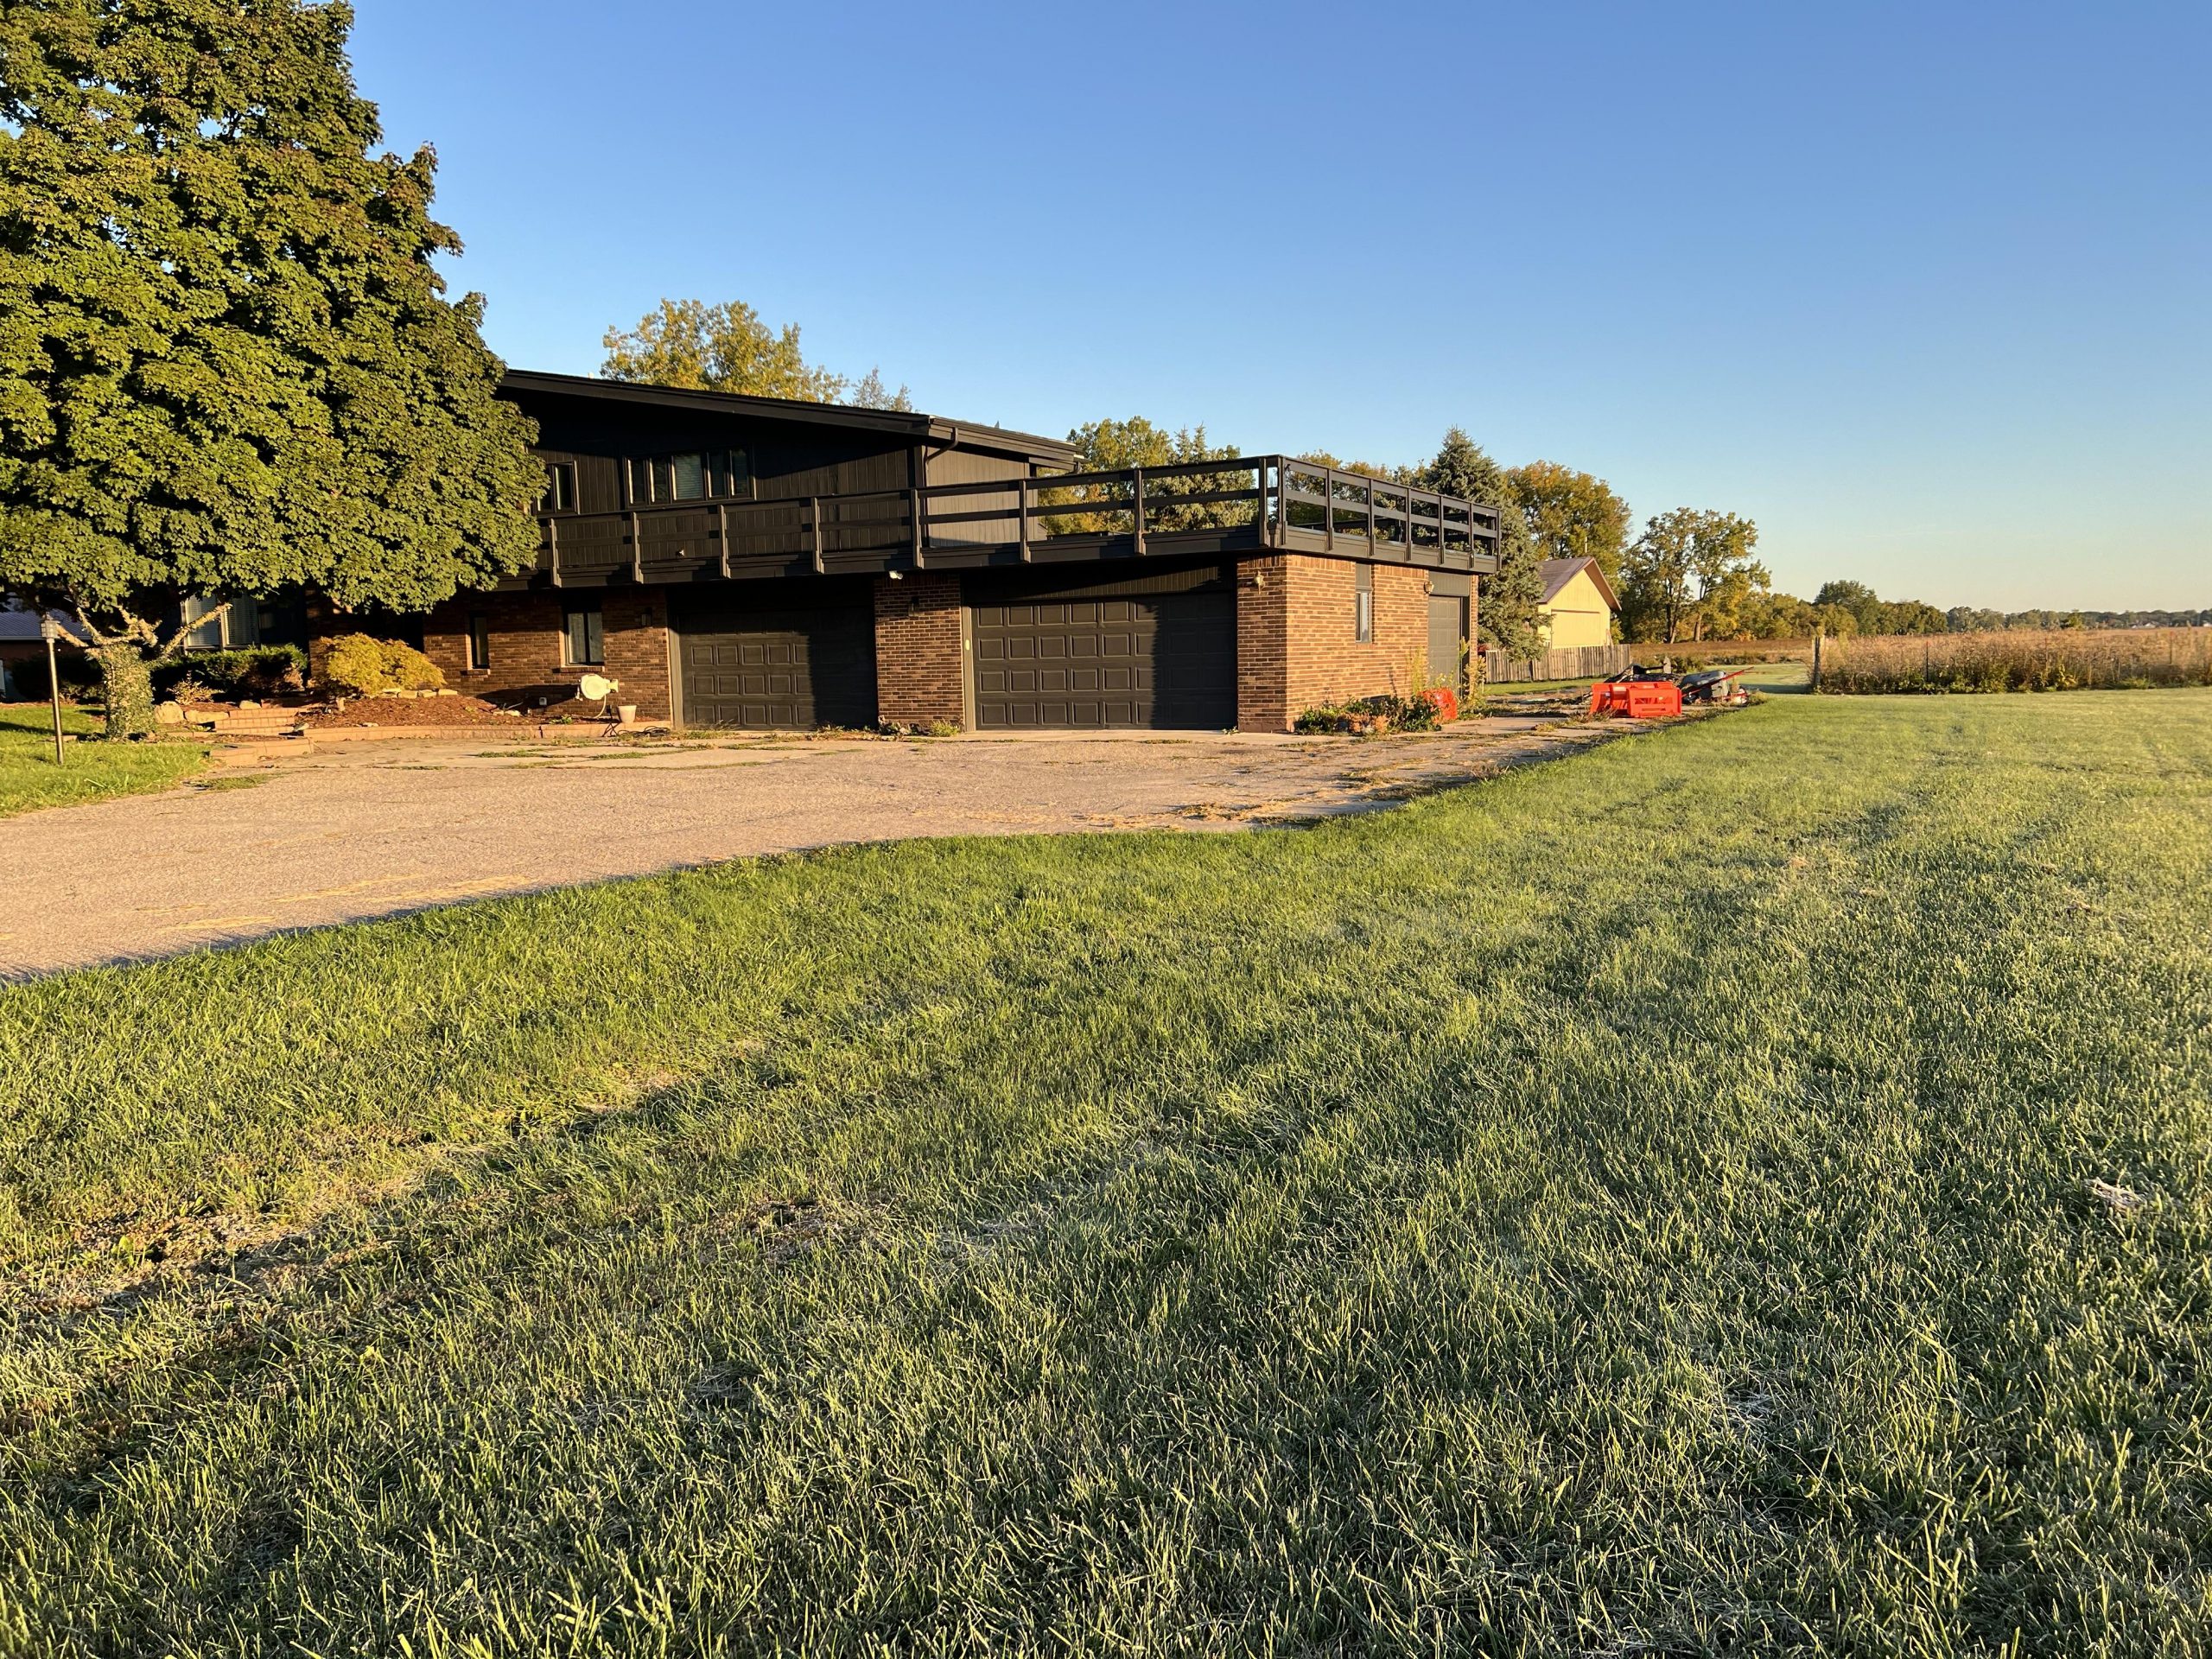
column 1507, row 602
column 227, row 367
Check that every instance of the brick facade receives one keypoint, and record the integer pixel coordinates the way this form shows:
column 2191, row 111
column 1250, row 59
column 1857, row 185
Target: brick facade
column 1294, row 643
column 920, row 667
column 526, row 633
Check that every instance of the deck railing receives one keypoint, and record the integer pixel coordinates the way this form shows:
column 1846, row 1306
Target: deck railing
column 1256, row 503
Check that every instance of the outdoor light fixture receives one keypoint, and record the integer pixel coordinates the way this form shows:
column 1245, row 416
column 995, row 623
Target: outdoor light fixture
column 50, row 630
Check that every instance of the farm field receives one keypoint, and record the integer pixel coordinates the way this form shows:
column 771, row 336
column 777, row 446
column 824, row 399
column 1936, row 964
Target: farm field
column 1743, row 1188
column 29, row 779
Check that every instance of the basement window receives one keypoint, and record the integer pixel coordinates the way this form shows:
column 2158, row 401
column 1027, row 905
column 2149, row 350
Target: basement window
column 1363, row 604
column 584, row 642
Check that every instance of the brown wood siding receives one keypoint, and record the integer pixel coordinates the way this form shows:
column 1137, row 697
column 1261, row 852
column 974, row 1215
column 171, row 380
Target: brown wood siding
column 968, row 467
column 786, row 458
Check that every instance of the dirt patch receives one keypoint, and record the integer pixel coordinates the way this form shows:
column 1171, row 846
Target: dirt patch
column 410, row 711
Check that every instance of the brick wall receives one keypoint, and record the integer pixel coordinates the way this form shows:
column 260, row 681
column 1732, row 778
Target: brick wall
column 1294, row 643
column 919, row 673
column 526, row 630
column 636, row 645
column 1262, row 594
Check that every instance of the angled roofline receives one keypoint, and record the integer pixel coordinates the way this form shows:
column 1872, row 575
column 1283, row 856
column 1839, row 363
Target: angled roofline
column 913, row 425
column 1597, row 577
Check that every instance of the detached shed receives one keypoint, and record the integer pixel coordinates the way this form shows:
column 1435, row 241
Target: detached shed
column 1579, row 606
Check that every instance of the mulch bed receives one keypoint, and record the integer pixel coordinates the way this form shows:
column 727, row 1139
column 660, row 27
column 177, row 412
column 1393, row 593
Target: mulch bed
column 409, row 711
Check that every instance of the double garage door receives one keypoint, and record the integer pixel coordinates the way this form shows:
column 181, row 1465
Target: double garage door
column 1047, row 650
column 778, row 655
column 1156, row 651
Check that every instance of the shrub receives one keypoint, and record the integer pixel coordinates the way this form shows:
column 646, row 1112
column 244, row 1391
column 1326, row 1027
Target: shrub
column 354, row 666
column 250, row 672
column 1370, row 716
column 917, row 728
column 358, row 666
column 408, row 669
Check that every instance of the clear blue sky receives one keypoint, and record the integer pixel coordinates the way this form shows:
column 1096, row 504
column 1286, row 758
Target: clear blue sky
column 1925, row 290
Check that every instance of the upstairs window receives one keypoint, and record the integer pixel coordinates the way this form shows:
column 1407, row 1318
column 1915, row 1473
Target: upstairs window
column 584, row 644
column 560, row 493
column 688, row 475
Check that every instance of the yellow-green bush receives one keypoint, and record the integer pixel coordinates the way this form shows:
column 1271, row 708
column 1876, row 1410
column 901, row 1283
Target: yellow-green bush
column 357, row 666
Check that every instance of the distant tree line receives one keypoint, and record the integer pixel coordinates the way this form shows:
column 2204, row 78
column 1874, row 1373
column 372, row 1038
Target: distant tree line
column 1843, row 609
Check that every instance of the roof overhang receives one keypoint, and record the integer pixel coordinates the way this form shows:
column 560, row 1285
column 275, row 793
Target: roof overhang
column 915, row 428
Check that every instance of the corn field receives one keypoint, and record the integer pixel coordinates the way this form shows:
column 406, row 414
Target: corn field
column 2059, row 659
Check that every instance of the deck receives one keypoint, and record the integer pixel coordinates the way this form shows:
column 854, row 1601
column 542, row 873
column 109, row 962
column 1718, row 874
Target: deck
column 1250, row 506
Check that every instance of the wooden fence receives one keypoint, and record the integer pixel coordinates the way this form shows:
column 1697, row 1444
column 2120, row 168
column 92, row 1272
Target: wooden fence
column 1569, row 663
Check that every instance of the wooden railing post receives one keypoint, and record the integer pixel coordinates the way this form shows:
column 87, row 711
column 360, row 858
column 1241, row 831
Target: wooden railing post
column 914, row 510
column 636, row 550
column 1136, row 502
column 1021, row 515
column 721, row 535
column 814, row 511
column 553, row 549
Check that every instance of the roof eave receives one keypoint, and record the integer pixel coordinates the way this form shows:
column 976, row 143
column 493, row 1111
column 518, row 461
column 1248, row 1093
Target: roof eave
column 910, row 424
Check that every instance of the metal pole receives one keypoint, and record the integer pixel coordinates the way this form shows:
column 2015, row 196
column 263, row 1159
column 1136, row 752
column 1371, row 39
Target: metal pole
column 48, row 629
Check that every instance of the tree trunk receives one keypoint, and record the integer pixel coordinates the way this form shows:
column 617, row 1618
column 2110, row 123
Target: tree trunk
column 126, row 688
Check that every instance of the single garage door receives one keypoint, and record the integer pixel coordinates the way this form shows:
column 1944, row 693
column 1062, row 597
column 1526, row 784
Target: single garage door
column 777, row 655
column 1447, row 639
column 1055, row 649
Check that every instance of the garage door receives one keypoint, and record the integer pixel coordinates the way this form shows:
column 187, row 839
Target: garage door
column 1447, row 639
column 777, row 655
column 1052, row 650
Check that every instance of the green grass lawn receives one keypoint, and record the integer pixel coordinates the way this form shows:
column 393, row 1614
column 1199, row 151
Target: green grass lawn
column 1641, row 1205
column 89, row 771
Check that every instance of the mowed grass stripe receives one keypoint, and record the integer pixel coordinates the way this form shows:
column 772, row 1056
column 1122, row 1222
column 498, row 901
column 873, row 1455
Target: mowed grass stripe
column 1639, row 1204
column 29, row 779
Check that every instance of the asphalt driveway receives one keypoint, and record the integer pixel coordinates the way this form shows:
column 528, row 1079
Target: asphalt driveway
column 340, row 832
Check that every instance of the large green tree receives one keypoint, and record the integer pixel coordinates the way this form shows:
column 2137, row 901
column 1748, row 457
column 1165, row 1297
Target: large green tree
column 700, row 348
column 1570, row 514
column 227, row 365
column 1507, row 612
column 1112, row 446
column 1691, row 575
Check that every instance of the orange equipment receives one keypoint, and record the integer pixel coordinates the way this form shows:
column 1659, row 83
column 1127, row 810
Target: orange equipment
column 1639, row 699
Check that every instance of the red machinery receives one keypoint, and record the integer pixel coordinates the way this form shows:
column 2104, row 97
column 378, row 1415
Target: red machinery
column 1646, row 694
column 1639, row 699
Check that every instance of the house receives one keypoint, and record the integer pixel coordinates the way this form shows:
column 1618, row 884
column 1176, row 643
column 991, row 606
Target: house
column 1578, row 607
column 753, row 561
column 22, row 647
